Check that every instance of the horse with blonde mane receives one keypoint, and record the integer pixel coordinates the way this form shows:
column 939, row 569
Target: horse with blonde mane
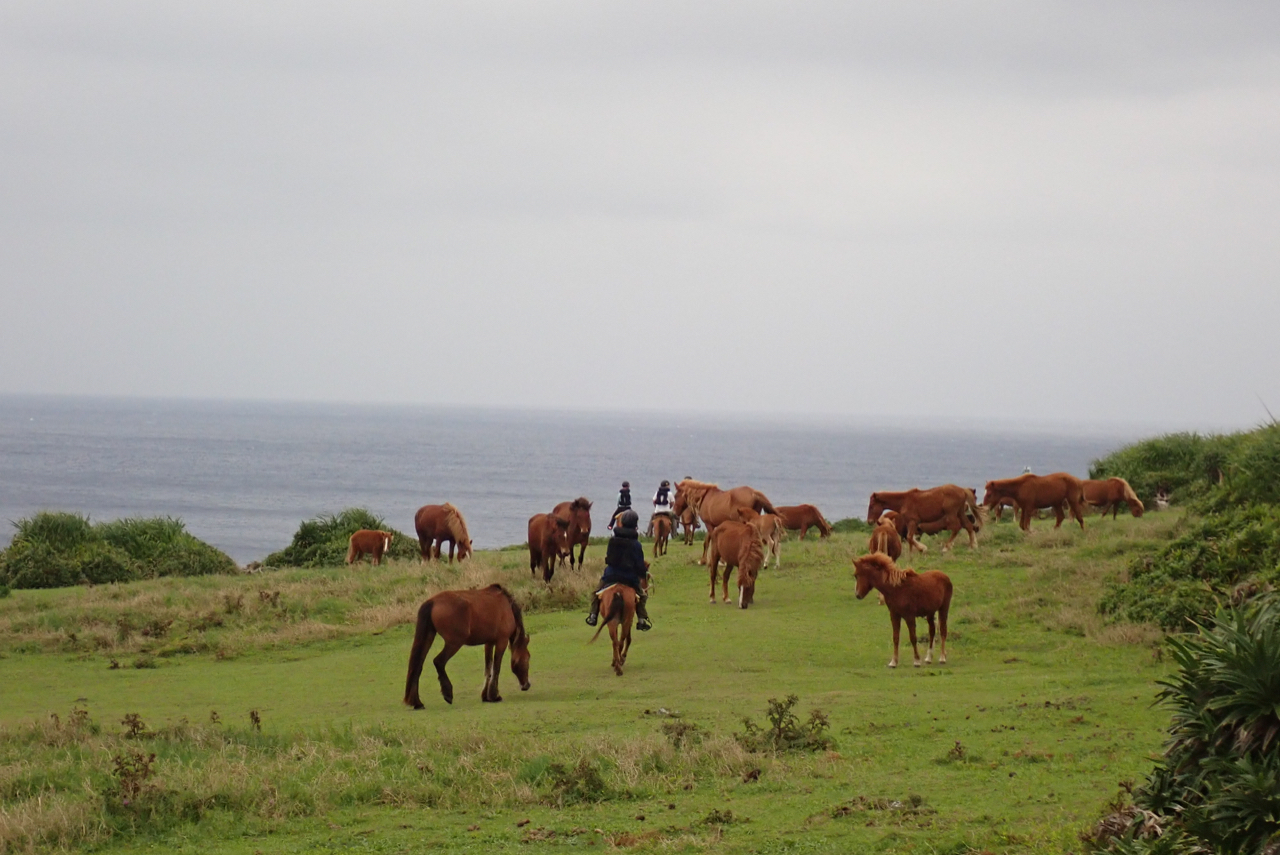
column 1109, row 493
column 437, row 523
column 772, row 529
column 371, row 542
column 578, row 515
column 739, row 545
column 1033, row 492
column 908, row 595
column 948, row 507
column 715, row 506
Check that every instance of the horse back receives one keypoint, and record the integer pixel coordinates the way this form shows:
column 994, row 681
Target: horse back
column 472, row 617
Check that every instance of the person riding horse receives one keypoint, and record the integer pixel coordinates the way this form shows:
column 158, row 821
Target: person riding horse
column 624, row 565
column 663, row 502
column 624, row 503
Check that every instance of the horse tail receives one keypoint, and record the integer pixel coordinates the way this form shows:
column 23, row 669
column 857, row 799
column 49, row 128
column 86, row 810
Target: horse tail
column 762, row 505
column 824, row 527
column 972, row 506
column 423, row 635
column 615, row 613
column 351, row 549
column 1135, row 504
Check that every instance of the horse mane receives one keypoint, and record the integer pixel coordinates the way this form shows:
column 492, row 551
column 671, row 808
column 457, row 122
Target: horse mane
column 454, row 520
column 894, row 575
column 515, row 611
column 696, row 486
column 582, row 503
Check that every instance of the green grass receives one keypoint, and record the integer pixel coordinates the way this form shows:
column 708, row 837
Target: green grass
column 1015, row 745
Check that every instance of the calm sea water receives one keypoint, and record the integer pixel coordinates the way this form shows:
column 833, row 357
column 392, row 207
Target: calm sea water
column 242, row 475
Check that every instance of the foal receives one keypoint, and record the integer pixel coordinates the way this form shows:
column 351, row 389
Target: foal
column 909, row 595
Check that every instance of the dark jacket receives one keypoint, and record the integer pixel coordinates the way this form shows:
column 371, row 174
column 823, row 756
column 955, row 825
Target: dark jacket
column 624, row 559
column 624, row 499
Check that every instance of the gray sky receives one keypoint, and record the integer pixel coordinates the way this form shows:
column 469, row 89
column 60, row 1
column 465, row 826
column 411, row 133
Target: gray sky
column 1014, row 211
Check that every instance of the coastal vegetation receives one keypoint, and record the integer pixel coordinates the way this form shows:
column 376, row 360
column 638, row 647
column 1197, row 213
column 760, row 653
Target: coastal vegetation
column 322, row 541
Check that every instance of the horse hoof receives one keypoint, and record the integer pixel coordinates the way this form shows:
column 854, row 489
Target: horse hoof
column 916, row 663
column 893, row 664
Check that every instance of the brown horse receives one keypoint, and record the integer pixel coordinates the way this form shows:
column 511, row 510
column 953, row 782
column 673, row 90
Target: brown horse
column 368, row 542
column 714, row 506
column 618, row 605
column 487, row 616
column 739, row 545
column 772, row 529
column 578, row 515
column 689, row 521
column 885, row 538
column 437, row 523
column 948, row 507
column 803, row 517
column 1108, row 495
column 661, row 534
column 908, row 595
column 548, row 540
column 1032, row 492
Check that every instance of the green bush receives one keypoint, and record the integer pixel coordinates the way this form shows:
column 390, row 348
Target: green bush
column 56, row 550
column 323, row 541
column 852, row 525
column 1187, row 465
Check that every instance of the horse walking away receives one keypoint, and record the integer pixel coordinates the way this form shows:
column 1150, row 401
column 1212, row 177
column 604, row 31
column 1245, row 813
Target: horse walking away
column 739, row 545
column 368, row 542
column 715, row 506
column 804, row 517
column 618, row 604
column 772, row 529
column 1033, row 492
column 908, row 595
column 948, row 507
column 578, row 515
column 436, row 524
column 689, row 521
column 885, row 538
column 548, row 540
column 488, row 616
column 661, row 534
column 1109, row 493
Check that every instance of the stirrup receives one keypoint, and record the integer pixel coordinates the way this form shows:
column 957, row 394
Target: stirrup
column 644, row 624
column 592, row 619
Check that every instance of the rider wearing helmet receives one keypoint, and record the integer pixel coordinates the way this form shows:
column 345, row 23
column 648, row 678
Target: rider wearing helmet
column 624, row 565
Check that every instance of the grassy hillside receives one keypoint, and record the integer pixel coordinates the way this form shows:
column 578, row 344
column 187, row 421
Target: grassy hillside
column 1015, row 745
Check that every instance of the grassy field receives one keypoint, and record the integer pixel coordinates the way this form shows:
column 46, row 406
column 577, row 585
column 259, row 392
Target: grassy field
column 1015, row 745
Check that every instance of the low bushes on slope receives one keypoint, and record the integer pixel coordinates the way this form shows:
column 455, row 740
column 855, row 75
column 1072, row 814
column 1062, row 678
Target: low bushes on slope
column 323, row 541
column 54, row 550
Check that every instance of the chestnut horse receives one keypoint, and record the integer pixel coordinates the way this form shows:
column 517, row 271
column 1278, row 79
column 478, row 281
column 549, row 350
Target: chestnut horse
column 772, row 529
column 689, row 520
column 368, row 542
column 885, row 538
column 947, row 507
column 618, row 605
column 1108, row 495
column 661, row 534
column 578, row 515
column 739, row 545
column 548, row 540
column 1032, row 492
column 908, row 595
column 487, row 616
column 804, row 517
column 715, row 506
column 437, row 523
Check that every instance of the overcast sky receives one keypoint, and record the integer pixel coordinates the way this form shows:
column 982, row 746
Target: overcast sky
column 1013, row 211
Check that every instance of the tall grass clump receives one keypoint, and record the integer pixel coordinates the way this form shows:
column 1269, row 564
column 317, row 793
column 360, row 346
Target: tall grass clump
column 55, row 550
column 322, row 541
column 1217, row 787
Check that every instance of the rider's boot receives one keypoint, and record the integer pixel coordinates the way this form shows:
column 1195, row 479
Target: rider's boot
column 642, row 614
column 595, row 611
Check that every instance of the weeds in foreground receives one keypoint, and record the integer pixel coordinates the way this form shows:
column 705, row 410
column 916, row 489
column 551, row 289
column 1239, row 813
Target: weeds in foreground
column 786, row 732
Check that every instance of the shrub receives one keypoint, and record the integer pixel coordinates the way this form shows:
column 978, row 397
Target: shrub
column 852, row 525
column 323, row 540
column 785, row 731
column 1185, row 464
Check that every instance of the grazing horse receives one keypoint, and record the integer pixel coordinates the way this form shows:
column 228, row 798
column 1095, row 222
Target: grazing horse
column 661, row 534
column 618, row 605
column 804, row 517
column 1108, row 495
column 715, row 506
column 578, row 515
column 908, row 595
column 548, row 540
column 689, row 520
column 885, row 538
column 772, row 529
column 368, row 542
column 487, row 616
column 437, row 523
column 1032, row 492
column 947, row 507
column 739, row 545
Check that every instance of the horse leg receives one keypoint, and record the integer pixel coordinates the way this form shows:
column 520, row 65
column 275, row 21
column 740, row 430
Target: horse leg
column 617, row 652
column 488, row 671
column 1078, row 513
column 928, row 654
column 725, row 582
column 1058, row 515
column 897, row 626
column 915, row 650
column 942, row 633
column 713, row 586
column 955, row 532
column 499, row 650
column 912, row 531
column 446, row 687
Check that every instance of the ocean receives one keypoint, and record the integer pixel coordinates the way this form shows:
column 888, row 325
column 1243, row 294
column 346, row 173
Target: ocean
column 242, row 475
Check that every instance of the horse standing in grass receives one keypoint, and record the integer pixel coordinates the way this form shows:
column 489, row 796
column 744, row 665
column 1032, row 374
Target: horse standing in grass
column 369, row 542
column 803, row 517
column 1032, row 492
column 618, row 605
column 948, row 507
column 739, row 545
column 1108, row 495
column 487, row 616
column 437, row 523
column 715, row 506
column 908, row 595
column 661, row 534
column 689, row 520
column 578, row 515
column 885, row 538
column 548, row 540
column 772, row 529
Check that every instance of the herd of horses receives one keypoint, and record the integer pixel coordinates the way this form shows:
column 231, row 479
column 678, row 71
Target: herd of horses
column 743, row 528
